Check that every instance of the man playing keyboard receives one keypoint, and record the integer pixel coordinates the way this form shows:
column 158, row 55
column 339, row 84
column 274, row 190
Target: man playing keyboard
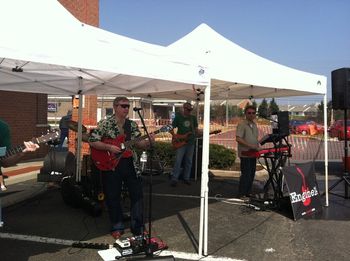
column 247, row 139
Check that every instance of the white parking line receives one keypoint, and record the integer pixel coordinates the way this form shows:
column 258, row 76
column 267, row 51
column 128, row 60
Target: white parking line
column 57, row 241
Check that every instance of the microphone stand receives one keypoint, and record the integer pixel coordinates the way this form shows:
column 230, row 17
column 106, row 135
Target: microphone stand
column 149, row 246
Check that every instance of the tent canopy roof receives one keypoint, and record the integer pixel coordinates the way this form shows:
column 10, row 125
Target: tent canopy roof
column 49, row 51
column 238, row 73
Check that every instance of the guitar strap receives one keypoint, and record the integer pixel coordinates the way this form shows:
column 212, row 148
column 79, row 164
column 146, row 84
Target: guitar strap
column 127, row 129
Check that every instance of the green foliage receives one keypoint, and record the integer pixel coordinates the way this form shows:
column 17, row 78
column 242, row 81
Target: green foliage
column 164, row 152
column 263, row 110
column 235, row 111
column 219, row 156
column 273, row 107
column 255, row 104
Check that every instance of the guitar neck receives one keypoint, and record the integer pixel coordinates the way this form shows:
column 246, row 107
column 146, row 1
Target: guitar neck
column 143, row 137
column 45, row 138
column 13, row 151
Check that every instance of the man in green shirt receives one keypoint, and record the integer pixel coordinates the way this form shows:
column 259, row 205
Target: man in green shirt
column 184, row 142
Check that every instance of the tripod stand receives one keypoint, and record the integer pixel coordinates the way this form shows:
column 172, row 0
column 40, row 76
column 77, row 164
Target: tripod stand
column 345, row 177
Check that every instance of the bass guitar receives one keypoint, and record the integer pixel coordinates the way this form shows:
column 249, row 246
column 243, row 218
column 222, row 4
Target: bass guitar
column 50, row 136
column 105, row 160
column 180, row 140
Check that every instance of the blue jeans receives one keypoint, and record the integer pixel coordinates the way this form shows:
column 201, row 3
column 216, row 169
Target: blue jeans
column 248, row 168
column 63, row 136
column 112, row 185
column 183, row 155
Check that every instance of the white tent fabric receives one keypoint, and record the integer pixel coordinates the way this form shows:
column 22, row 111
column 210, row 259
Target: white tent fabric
column 238, row 73
column 42, row 43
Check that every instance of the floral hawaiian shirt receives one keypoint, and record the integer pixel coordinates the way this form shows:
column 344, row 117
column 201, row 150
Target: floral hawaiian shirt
column 109, row 129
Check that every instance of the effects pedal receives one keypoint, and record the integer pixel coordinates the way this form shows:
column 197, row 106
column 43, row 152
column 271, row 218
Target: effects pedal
column 124, row 247
column 123, row 243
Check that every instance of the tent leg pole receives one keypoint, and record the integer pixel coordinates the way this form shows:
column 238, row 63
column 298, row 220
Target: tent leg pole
column 80, row 130
column 205, row 237
column 325, row 147
column 201, row 226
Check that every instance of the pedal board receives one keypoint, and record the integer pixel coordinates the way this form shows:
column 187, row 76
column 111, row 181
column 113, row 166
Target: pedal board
column 138, row 244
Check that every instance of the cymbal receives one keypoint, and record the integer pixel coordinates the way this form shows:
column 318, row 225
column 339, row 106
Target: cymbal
column 73, row 125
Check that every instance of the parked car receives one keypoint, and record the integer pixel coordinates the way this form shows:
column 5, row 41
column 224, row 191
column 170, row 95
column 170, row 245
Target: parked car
column 336, row 130
column 307, row 128
column 294, row 123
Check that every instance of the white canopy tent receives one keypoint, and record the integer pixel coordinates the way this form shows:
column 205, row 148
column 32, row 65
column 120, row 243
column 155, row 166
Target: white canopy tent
column 44, row 49
column 238, row 73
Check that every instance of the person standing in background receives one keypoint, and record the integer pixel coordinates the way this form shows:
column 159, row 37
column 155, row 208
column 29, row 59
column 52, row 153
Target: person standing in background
column 64, row 128
column 184, row 143
column 247, row 139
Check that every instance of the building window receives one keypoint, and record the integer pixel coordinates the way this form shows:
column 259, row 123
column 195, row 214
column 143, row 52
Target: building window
column 109, row 111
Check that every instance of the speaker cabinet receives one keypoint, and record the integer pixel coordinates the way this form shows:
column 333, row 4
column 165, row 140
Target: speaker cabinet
column 57, row 164
column 283, row 123
column 341, row 89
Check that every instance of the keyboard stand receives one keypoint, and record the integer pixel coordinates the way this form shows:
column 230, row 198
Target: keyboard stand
column 274, row 162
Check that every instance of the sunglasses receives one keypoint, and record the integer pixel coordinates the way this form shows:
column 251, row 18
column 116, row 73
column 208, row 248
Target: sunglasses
column 124, row 106
column 250, row 112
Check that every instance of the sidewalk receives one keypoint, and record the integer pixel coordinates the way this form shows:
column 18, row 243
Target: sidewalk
column 21, row 182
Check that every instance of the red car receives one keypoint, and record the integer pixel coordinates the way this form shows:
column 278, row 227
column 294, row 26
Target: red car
column 336, row 130
column 309, row 128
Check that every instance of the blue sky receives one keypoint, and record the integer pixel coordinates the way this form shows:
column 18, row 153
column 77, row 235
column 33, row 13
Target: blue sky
column 309, row 35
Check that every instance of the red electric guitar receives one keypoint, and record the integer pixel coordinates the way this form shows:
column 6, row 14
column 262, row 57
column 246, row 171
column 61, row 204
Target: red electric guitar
column 104, row 160
column 304, row 187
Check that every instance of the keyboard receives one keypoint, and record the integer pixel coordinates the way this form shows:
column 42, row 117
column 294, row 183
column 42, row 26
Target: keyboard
column 263, row 152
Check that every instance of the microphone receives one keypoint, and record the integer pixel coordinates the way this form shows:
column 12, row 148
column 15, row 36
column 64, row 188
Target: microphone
column 137, row 109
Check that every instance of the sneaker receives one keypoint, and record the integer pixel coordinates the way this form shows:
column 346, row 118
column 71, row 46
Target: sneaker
column 173, row 183
column 3, row 188
column 187, row 182
column 117, row 234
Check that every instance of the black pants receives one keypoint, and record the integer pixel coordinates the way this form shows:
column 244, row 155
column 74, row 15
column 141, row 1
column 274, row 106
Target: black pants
column 248, row 168
column 112, row 183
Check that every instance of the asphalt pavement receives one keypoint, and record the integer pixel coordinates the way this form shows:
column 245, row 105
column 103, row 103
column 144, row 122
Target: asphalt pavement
column 39, row 225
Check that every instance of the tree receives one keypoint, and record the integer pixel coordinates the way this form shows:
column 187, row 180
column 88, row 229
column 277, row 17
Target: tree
column 263, row 109
column 273, row 107
column 254, row 104
column 235, row 111
column 320, row 110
